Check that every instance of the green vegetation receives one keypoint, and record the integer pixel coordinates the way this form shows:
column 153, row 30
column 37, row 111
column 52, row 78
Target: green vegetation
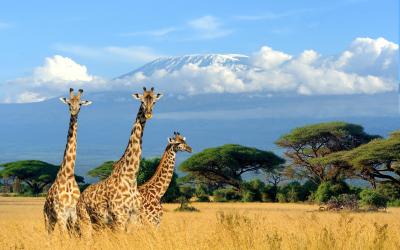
column 323, row 160
column 225, row 165
column 315, row 141
column 37, row 175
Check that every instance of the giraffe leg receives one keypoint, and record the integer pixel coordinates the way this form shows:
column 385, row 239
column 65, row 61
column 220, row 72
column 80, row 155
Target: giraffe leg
column 72, row 223
column 119, row 222
column 83, row 225
column 49, row 222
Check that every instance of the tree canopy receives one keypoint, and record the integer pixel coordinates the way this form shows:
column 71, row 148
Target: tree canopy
column 378, row 160
column 318, row 140
column 226, row 164
column 36, row 174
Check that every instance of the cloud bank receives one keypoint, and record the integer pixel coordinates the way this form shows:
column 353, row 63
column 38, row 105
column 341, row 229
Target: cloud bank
column 367, row 66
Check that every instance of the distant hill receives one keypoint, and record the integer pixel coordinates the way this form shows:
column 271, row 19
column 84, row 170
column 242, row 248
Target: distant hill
column 38, row 130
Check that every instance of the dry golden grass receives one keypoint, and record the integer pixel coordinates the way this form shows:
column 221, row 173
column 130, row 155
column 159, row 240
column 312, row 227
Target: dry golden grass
column 216, row 226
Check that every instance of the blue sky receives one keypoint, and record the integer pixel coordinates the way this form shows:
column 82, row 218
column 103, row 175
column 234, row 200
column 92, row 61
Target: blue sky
column 111, row 38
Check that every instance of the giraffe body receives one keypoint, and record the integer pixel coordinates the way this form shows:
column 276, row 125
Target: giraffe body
column 153, row 190
column 63, row 195
column 115, row 201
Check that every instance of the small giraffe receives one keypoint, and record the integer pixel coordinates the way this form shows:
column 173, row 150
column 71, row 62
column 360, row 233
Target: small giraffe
column 113, row 201
column 153, row 190
column 63, row 195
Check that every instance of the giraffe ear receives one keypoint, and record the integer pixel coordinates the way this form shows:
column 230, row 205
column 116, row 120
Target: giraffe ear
column 170, row 140
column 158, row 96
column 86, row 103
column 137, row 96
column 64, row 100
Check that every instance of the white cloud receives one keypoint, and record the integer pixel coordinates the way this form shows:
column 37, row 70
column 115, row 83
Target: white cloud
column 367, row 66
column 367, row 56
column 58, row 68
column 29, row 97
column 208, row 27
column 268, row 58
column 307, row 74
column 133, row 54
column 53, row 78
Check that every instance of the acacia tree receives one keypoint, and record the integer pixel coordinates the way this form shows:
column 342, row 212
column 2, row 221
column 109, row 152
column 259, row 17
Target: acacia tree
column 226, row 164
column 376, row 161
column 314, row 141
column 146, row 170
column 36, row 174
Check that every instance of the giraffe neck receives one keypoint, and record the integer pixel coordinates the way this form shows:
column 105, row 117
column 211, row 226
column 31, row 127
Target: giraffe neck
column 164, row 172
column 130, row 160
column 68, row 164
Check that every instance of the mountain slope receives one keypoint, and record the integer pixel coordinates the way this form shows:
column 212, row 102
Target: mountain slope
column 234, row 62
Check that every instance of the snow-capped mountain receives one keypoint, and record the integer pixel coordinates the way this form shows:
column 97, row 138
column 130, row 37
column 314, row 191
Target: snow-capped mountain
column 234, row 62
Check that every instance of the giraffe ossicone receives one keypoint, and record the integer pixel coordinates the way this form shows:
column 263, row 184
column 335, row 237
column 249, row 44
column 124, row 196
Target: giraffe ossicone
column 154, row 189
column 63, row 195
column 114, row 201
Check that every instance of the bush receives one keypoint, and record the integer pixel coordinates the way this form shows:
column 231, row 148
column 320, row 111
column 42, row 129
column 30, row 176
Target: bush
column 252, row 190
column 269, row 193
column 281, row 197
column 226, row 194
column 390, row 191
column 185, row 207
column 326, row 190
column 372, row 199
column 394, row 203
column 343, row 201
column 203, row 198
column 291, row 192
column 186, row 191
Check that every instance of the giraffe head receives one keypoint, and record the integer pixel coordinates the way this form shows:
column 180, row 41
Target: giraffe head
column 178, row 143
column 148, row 99
column 74, row 102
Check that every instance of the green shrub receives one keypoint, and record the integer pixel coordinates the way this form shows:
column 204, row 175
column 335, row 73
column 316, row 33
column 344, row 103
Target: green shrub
column 281, row 197
column 293, row 192
column 203, row 198
column 373, row 199
column 226, row 194
column 185, row 206
column 186, row 191
column 252, row 190
column 327, row 190
column 394, row 203
column 269, row 193
column 390, row 191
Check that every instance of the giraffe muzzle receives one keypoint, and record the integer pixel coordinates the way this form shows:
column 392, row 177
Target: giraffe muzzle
column 148, row 116
column 188, row 149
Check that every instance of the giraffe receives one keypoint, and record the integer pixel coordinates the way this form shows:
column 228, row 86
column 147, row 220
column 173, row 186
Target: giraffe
column 153, row 190
column 62, row 197
column 113, row 201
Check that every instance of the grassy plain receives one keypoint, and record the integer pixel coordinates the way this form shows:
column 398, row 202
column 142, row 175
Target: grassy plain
column 216, row 226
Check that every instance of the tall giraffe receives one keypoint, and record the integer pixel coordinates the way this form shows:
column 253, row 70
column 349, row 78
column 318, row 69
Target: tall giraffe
column 113, row 201
column 153, row 190
column 63, row 195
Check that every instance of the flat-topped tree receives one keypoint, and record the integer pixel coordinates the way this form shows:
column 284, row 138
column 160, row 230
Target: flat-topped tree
column 36, row 174
column 318, row 140
column 376, row 161
column 226, row 164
